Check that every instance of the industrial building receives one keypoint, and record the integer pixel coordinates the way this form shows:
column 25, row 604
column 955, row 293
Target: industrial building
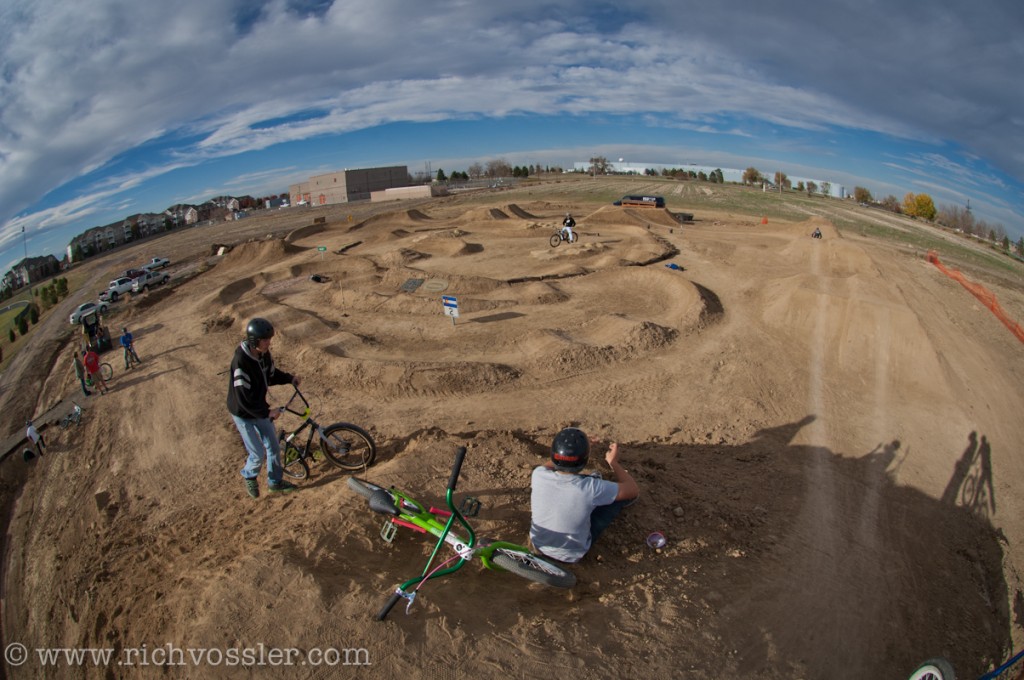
column 348, row 185
column 834, row 189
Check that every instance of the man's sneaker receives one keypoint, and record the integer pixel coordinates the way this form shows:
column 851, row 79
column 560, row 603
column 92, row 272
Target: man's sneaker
column 283, row 487
column 252, row 487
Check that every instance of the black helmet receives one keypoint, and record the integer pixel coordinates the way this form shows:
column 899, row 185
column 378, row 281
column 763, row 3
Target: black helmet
column 570, row 450
column 259, row 329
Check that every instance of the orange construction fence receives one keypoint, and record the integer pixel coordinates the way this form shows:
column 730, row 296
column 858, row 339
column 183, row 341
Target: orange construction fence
column 984, row 295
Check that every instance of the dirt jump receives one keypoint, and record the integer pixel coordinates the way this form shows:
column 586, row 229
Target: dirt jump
column 826, row 431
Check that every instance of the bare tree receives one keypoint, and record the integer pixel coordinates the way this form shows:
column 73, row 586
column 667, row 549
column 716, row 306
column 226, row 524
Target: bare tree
column 599, row 165
column 751, row 176
column 498, row 168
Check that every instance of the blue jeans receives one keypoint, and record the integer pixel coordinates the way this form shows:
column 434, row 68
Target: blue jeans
column 601, row 517
column 260, row 439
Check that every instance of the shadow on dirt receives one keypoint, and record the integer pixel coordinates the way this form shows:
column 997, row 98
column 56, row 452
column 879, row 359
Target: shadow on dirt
column 782, row 561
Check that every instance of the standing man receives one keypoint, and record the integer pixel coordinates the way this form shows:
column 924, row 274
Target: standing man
column 32, row 434
column 80, row 372
column 92, row 364
column 252, row 372
column 569, row 509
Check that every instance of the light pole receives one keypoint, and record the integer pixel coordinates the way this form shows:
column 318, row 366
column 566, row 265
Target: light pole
column 24, row 239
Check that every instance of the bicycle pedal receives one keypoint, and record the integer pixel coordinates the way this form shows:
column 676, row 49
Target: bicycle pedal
column 388, row 531
column 470, row 506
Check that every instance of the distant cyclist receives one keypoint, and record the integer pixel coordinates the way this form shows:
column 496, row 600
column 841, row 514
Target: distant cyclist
column 128, row 343
column 567, row 224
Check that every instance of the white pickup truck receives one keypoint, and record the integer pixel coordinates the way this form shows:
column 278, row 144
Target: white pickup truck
column 148, row 280
column 156, row 263
column 116, row 289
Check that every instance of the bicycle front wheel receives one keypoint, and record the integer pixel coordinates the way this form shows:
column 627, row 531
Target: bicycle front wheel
column 348, row 446
column 533, row 568
column 555, row 240
column 934, row 669
column 293, row 464
column 107, row 371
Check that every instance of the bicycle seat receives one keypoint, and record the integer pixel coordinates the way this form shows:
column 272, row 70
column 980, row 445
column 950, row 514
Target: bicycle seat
column 381, row 501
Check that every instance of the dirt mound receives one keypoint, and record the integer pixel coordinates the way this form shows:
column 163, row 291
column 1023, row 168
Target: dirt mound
column 417, row 216
column 257, row 255
column 402, row 257
column 519, row 212
column 805, row 420
column 484, row 214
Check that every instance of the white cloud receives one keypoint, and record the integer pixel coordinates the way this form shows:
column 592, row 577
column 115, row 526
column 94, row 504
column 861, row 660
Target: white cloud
column 92, row 85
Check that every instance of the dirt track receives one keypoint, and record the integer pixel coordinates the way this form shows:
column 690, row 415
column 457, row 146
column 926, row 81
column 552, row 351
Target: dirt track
column 827, row 432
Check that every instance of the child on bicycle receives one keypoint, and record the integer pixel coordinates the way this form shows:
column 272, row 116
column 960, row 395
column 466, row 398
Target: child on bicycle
column 569, row 509
column 567, row 224
column 128, row 343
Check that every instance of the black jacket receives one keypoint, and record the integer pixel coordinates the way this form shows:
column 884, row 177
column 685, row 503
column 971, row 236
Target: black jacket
column 248, row 382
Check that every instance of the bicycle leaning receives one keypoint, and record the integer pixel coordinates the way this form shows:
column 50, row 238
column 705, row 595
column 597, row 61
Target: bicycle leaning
column 72, row 418
column 347, row 446
column 106, row 370
column 405, row 511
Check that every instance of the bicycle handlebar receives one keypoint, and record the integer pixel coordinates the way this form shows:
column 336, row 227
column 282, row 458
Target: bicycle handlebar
column 460, row 455
column 298, row 394
column 383, row 613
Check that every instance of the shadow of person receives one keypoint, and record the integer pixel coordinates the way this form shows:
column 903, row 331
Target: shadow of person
column 960, row 470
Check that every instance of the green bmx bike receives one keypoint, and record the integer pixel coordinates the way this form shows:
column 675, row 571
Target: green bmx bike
column 405, row 511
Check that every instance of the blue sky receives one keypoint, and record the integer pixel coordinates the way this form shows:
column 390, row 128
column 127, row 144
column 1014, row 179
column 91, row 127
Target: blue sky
column 110, row 107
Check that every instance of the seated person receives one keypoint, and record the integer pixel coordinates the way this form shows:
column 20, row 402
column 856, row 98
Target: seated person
column 569, row 509
column 567, row 224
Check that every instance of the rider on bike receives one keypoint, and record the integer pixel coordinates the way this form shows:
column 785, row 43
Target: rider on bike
column 128, row 343
column 567, row 224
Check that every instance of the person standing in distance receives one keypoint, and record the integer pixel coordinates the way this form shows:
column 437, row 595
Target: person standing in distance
column 252, row 373
column 569, row 509
column 80, row 372
column 92, row 364
column 32, row 434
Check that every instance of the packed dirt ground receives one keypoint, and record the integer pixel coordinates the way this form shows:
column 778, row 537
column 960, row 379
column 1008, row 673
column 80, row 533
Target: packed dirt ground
column 827, row 431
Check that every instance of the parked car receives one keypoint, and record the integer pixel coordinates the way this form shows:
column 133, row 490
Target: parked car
column 148, row 280
column 116, row 289
column 157, row 263
column 87, row 308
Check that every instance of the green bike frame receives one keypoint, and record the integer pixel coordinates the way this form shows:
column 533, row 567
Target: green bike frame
column 412, row 514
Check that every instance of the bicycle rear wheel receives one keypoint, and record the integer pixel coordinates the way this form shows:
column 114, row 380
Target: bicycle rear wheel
column 573, row 237
column 934, row 669
column 348, row 446
column 363, row 487
column 107, row 371
column 533, row 568
column 292, row 462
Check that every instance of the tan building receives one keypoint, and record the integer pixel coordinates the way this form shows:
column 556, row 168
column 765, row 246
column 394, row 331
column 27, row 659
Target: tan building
column 347, row 185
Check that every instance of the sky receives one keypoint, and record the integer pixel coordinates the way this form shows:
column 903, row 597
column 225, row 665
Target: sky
column 115, row 107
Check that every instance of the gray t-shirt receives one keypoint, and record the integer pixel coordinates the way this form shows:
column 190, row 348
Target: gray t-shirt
column 561, row 505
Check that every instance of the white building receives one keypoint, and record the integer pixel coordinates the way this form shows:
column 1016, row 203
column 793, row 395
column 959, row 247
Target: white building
column 728, row 174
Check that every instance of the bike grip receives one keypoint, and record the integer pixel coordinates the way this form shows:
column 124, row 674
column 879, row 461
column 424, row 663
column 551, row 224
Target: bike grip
column 383, row 613
column 460, row 455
